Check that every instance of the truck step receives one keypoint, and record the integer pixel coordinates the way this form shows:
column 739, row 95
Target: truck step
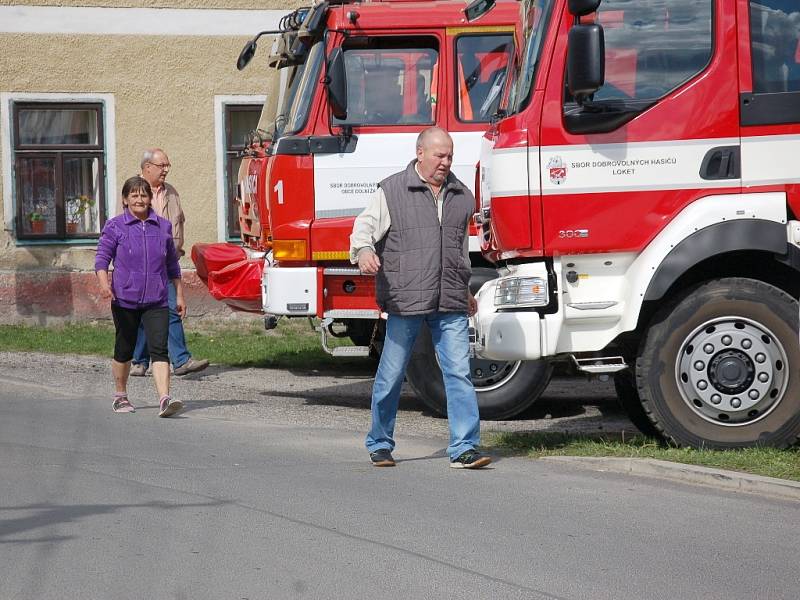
column 350, row 351
column 339, row 351
column 599, row 365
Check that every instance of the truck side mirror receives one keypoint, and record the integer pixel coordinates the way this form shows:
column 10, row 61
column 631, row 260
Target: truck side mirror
column 581, row 8
column 246, row 55
column 477, row 8
column 337, row 84
column 586, row 60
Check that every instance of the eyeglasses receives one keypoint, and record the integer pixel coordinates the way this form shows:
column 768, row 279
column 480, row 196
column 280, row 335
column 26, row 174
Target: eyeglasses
column 163, row 166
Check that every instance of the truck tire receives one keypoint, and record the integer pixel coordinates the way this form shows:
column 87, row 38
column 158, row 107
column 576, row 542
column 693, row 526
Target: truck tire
column 504, row 389
column 628, row 398
column 719, row 367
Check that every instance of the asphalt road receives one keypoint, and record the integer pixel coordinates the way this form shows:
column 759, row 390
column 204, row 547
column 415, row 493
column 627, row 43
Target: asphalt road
column 262, row 489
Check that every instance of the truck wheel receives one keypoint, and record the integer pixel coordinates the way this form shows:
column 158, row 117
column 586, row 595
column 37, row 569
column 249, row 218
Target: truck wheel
column 628, row 397
column 719, row 368
column 504, row 389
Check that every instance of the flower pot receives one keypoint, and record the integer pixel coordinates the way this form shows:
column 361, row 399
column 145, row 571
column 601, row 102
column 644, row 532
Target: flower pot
column 72, row 227
column 38, row 226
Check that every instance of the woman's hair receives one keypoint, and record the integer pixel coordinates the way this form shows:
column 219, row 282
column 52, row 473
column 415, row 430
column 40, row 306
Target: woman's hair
column 136, row 184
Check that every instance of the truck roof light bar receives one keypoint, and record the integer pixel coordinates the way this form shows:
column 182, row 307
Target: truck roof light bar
column 314, row 22
column 290, row 22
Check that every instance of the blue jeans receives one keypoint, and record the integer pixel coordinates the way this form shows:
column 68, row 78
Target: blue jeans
column 450, row 335
column 176, row 342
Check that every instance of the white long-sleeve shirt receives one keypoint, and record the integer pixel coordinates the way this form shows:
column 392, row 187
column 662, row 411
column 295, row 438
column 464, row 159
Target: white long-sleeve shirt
column 374, row 221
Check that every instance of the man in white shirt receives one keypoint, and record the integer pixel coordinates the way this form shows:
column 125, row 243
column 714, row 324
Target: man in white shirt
column 413, row 236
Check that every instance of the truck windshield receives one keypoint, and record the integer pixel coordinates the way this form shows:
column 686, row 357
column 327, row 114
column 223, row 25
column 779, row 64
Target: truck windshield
column 301, row 82
column 289, row 99
column 534, row 16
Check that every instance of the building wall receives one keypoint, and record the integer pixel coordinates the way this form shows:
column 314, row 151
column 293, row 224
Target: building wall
column 184, row 4
column 161, row 90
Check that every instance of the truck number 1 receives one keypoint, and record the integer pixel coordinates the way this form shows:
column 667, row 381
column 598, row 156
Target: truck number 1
column 279, row 189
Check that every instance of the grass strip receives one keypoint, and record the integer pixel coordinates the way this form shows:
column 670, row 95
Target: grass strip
column 784, row 464
column 293, row 345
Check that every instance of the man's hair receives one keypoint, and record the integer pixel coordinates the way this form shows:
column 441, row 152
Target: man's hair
column 135, row 184
column 148, row 156
column 427, row 133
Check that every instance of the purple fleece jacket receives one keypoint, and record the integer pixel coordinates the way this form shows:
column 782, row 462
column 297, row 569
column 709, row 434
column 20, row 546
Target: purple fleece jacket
column 144, row 259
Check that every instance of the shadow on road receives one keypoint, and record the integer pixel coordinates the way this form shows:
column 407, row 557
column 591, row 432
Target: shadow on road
column 193, row 405
column 46, row 515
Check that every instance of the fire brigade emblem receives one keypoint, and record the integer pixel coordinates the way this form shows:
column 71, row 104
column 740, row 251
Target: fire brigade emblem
column 558, row 170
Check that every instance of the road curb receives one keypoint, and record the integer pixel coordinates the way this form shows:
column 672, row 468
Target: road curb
column 695, row 474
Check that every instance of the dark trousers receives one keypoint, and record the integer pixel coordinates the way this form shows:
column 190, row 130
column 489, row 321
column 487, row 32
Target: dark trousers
column 156, row 325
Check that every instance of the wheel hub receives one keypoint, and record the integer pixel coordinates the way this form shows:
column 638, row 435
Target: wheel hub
column 732, row 371
column 491, row 374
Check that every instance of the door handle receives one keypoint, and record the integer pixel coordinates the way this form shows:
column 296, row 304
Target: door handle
column 722, row 162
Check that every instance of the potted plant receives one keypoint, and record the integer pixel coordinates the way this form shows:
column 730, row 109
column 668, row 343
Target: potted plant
column 37, row 221
column 76, row 209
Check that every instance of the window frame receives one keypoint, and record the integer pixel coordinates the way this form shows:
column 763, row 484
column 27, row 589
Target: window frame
column 578, row 121
column 58, row 153
column 456, row 39
column 232, row 152
column 222, row 137
column 439, row 49
column 765, row 108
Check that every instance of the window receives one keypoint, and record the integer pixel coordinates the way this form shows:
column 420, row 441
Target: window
column 59, row 170
column 775, row 43
column 534, row 17
column 481, row 65
column 653, row 47
column 775, row 51
column 391, row 80
column 302, row 83
column 240, row 120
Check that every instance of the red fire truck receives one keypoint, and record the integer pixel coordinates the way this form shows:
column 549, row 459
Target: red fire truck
column 641, row 197
column 355, row 84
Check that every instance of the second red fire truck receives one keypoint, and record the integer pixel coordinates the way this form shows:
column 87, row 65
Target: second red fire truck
column 355, row 83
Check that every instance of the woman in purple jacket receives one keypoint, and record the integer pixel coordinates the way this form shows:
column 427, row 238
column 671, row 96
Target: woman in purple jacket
column 140, row 244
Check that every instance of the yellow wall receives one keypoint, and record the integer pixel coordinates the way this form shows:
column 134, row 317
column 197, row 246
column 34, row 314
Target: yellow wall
column 164, row 88
column 227, row 4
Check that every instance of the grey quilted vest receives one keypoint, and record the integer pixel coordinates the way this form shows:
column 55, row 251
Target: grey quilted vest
column 423, row 268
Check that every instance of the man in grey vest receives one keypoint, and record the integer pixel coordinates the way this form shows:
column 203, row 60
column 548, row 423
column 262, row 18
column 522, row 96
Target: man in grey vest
column 413, row 237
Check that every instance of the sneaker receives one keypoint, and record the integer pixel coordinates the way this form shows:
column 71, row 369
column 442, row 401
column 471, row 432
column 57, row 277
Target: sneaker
column 381, row 458
column 191, row 366
column 122, row 404
column 138, row 370
column 169, row 406
column 471, row 459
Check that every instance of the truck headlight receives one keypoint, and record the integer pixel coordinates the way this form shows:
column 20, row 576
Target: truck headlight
column 521, row 291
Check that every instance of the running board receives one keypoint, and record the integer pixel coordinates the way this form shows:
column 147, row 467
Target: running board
column 339, row 351
column 600, row 364
column 349, row 351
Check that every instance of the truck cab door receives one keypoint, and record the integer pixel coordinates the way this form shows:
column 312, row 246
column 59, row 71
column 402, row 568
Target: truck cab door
column 769, row 71
column 661, row 132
